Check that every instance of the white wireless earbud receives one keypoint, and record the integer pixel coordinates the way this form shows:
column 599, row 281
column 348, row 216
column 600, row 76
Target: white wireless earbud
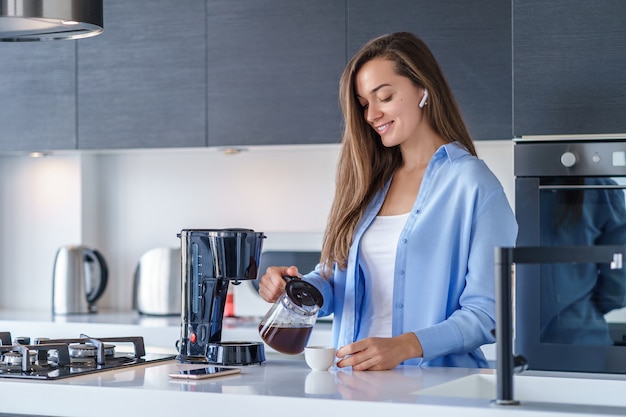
column 423, row 101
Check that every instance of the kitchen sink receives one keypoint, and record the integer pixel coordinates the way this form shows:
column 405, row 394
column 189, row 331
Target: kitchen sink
column 545, row 389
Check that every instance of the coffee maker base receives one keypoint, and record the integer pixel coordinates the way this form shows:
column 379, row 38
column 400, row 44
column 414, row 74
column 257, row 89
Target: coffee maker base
column 229, row 354
column 236, row 353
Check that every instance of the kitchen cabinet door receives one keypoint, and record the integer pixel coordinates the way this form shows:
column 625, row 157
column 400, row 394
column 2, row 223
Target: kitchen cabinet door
column 273, row 71
column 471, row 41
column 37, row 96
column 142, row 83
column 569, row 67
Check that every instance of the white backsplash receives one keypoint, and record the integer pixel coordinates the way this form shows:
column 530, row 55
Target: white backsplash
column 125, row 203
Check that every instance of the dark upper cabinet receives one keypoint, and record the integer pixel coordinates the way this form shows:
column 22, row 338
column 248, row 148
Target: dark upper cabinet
column 37, row 96
column 273, row 71
column 142, row 83
column 471, row 41
column 569, row 67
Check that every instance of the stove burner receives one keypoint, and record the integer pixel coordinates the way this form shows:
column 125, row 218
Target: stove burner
column 89, row 350
column 13, row 359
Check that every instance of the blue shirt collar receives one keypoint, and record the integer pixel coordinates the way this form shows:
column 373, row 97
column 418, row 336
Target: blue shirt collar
column 453, row 151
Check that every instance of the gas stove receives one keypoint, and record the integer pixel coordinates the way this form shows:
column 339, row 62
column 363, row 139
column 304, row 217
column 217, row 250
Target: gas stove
column 48, row 359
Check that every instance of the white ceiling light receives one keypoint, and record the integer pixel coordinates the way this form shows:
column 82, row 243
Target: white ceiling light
column 43, row 20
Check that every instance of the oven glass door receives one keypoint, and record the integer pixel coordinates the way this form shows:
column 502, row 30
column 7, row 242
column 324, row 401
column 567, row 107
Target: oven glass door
column 576, row 298
column 571, row 316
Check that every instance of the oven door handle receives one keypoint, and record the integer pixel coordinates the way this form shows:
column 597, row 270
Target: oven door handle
column 583, row 187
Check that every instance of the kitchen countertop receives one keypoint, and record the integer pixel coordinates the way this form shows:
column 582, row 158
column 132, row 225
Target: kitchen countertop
column 282, row 385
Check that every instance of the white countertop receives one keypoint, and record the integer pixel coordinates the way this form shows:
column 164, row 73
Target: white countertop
column 283, row 384
column 279, row 386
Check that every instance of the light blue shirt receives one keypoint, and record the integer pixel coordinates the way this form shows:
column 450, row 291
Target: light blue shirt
column 444, row 268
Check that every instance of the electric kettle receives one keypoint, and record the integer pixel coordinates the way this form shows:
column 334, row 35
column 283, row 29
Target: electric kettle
column 79, row 280
column 157, row 283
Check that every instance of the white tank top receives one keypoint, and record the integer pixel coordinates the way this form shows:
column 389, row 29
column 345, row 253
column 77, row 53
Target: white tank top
column 378, row 257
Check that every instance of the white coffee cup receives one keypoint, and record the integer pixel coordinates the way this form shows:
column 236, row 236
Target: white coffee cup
column 319, row 358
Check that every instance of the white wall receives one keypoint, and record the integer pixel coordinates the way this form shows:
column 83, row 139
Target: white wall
column 40, row 208
column 125, row 203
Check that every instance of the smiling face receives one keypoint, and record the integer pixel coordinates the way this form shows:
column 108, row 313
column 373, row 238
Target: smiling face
column 390, row 102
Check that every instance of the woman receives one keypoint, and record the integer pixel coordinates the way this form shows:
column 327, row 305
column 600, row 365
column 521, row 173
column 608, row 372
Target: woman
column 407, row 262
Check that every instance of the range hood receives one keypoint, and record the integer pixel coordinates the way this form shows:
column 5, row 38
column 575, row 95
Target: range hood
column 44, row 20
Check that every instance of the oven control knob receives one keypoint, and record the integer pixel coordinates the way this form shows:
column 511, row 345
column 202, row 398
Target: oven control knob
column 568, row 159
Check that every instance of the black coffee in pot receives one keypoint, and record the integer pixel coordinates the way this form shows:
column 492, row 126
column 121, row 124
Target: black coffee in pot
column 288, row 340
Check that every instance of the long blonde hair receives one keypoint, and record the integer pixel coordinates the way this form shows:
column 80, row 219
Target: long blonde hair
column 365, row 165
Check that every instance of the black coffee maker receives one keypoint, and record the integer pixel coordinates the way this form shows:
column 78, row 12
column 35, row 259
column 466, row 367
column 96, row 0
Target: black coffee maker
column 210, row 260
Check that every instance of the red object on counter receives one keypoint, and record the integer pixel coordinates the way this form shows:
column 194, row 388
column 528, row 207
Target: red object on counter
column 229, row 309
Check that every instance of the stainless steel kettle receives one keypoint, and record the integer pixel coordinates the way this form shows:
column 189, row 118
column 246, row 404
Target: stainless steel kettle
column 79, row 280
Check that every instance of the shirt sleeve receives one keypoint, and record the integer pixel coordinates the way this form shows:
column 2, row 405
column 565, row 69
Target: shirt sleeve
column 325, row 286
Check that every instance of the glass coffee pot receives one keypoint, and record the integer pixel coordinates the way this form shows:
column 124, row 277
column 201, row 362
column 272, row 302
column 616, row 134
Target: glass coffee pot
column 288, row 324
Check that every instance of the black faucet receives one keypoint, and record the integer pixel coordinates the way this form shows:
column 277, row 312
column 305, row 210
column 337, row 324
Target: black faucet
column 505, row 258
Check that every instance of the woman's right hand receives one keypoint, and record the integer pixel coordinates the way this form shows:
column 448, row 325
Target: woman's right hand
column 272, row 283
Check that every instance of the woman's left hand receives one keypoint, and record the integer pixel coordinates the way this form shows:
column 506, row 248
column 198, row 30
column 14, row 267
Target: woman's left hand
column 379, row 353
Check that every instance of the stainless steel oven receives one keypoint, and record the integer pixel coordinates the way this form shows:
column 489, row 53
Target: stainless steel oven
column 571, row 192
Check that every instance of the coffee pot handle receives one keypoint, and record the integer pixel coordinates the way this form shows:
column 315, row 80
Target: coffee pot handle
column 103, row 272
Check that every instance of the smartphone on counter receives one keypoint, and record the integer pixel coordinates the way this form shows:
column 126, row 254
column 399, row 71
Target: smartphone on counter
column 204, row 373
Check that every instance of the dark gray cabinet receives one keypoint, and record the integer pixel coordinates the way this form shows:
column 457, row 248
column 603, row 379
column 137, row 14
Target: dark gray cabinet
column 37, row 96
column 569, row 67
column 250, row 72
column 142, row 83
column 470, row 39
column 273, row 71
